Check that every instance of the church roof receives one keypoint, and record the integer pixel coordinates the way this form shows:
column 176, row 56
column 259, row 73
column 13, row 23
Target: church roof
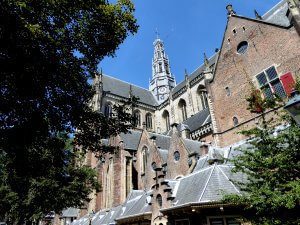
column 122, row 89
column 131, row 139
column 162, row 141
column 199, row 119
column 277, row 14
column 201, row 163
column 137, row 206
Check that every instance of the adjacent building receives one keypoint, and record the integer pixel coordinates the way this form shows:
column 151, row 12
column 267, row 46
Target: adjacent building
column 173, row 167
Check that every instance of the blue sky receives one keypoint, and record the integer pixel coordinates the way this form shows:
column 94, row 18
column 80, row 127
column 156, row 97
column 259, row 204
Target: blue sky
column 188, row 28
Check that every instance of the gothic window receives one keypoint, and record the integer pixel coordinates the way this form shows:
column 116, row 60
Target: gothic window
column 127, row 176
column 202, row 98
column 182, row 108
column 159, row 67
column 144, row 159
column 159, row 54
column 108, row 193
column 166, row 117
column 167, row 68
column 270, row 84
column 108, row 110
column 148, row 121
column 137, row 118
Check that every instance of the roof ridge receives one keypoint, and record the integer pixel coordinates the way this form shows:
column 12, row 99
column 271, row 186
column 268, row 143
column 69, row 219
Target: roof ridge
column 207, row 181
column 228, row 179
column 275, row 6
column 126, row 82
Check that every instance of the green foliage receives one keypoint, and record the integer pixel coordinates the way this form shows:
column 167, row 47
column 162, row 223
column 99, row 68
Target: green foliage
column 48, row 51
column 272, row 194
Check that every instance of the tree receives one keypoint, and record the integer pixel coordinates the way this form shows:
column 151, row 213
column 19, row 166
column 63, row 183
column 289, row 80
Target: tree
column 272, row 194
column 48, row 51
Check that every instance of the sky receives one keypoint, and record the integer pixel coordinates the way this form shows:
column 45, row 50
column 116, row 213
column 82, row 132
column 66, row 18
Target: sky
column 188, row 28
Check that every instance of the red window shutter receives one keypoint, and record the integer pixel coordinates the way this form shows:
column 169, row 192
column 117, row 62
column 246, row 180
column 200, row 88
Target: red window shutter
column 288, row 82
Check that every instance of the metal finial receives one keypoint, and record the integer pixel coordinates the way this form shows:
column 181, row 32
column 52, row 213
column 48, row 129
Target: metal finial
column 186, row 73
column 130, row 91
column 257, row 16
column 206, row 62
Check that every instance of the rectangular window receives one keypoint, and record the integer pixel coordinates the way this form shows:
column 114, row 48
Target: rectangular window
column 270, row 83
column 182, row 222
column 232, row 221
column 224, row 221
column 216, row 221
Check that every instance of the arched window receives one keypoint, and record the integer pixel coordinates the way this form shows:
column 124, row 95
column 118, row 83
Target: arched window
column 159, row 67
column 235, row 121
column 148, row 121
column 202, row 98
column 159, row 200
column 137, row 118
column 166, row 117
column 144, row 154
column 108, row 110
column 182, row 107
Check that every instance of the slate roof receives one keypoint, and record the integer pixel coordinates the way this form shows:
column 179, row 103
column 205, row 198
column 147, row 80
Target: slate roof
column 204, row 186
column 277, row 14
column 136, row 206
column 70, row 212
column 199, row 119
column 162, row 141
column 191, row 145
column 164, row 154
column 122, row 89
column 201, row 163
column 131, row 139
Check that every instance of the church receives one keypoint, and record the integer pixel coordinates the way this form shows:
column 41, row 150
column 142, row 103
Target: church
column 174, row 167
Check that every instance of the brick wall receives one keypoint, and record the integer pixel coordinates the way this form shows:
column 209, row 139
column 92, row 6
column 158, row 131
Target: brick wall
column 268, row 45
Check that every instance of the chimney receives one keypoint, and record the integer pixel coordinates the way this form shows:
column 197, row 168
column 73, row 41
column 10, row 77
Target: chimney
column 185, row 131
column 293, row 14
column 230, row 10
column 203, row 148
column 153, row 138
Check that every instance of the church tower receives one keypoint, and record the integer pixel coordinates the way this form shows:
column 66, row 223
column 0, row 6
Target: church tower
column 162, row 81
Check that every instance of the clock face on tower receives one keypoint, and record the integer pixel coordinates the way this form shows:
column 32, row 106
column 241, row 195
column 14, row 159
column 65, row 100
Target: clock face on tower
column 162, row 89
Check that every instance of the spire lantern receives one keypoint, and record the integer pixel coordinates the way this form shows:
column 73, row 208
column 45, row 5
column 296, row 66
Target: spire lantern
column 162, row 81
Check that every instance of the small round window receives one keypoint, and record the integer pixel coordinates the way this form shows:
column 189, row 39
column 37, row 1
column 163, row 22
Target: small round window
column 242, row 47
column 153, row 165
column 176, row 156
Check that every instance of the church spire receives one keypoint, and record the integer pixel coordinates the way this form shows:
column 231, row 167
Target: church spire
column 162, row 79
